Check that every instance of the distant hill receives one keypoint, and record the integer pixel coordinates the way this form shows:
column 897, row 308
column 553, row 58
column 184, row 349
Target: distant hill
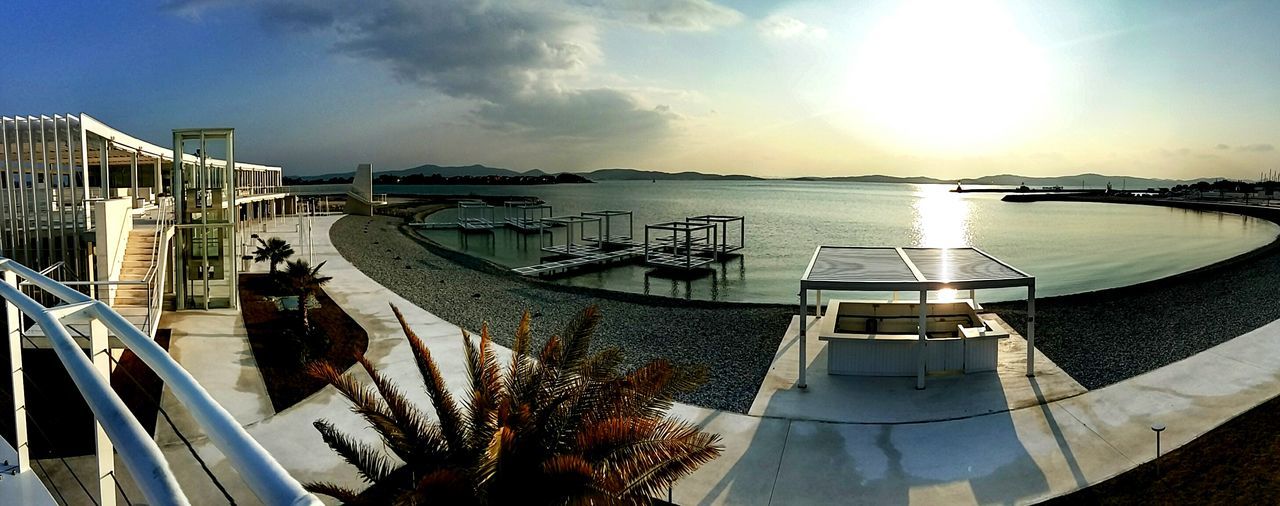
column 427, row 170
column 877, row 179
column 1089, row 180
column 634, row 175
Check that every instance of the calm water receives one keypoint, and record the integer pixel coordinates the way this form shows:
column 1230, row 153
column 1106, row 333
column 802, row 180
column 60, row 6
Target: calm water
column 1069, row 247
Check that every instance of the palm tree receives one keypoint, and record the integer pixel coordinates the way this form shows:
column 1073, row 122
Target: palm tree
column 273, row 250
column 552, row 427
column 304, row 281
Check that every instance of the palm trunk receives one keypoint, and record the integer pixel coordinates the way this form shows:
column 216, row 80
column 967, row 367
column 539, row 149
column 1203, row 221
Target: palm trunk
column 306, row 314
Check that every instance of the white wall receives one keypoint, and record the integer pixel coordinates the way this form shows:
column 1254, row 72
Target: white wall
column 112, row 223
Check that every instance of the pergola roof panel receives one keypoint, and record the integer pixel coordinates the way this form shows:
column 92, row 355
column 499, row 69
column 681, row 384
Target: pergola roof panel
column 837, row 264
column 872, row 268
column 958, row 264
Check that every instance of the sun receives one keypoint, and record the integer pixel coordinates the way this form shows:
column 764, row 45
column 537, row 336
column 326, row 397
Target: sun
column 947, row 76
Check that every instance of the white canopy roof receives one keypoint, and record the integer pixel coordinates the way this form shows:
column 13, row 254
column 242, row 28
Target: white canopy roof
column 888, row 268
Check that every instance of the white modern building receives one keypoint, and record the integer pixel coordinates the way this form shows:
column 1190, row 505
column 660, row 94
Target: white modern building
column 94, row 206
column 100, row 232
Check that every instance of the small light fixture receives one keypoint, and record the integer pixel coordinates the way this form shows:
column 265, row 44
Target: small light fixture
column 1157, row 428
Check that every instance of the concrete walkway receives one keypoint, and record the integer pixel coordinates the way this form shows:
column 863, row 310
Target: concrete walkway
column 1021, row 455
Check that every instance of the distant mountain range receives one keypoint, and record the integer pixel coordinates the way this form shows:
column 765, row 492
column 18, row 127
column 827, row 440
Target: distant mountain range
column 1089, row 180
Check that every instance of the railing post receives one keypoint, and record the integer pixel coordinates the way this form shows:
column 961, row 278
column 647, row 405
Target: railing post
column 99, row 353
column 13, row 326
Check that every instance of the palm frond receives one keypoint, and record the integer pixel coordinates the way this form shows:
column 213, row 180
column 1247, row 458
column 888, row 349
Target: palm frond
column 564, row 427
column 603, row 364
column 339, row 492
column 577, row 338
column 370, row 462
column 445, row 486
column 362, row 398
column 452, row 423
column 565, row 476
column 486, row 387
column 519, row 382
column 366, row 403
column 415, row 442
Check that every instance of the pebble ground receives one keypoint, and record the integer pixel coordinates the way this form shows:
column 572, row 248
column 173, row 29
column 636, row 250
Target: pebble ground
column 736, row 342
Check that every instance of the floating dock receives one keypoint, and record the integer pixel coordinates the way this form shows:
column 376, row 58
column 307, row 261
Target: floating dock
column 596, row 258
column 527, row 217
column 597, row 238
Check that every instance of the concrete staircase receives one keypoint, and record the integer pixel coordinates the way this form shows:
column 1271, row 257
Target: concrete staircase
column 137, row 260
column 131, row 300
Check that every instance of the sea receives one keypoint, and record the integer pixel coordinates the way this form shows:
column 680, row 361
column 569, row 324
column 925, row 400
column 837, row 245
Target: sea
column 1070, row 247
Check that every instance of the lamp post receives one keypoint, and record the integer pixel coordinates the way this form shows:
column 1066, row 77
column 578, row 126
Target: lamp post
column 1157, row 428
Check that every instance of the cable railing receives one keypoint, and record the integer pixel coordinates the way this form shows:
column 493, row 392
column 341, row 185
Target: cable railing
column 263, row 475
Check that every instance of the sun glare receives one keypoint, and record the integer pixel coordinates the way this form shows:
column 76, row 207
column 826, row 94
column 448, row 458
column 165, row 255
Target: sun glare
column 948, row 76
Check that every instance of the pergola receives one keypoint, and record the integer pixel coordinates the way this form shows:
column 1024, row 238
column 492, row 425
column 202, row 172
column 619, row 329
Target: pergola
column 888, row 269
column 571, row 247
column 475, row 215
column 653, row 254
column 606, row 222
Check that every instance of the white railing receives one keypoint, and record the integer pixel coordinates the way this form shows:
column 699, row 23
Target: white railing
column 155, row 275
column 115, row 425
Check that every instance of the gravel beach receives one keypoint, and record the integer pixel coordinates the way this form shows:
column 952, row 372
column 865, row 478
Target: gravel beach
column 1098, row 338
column 736, row 342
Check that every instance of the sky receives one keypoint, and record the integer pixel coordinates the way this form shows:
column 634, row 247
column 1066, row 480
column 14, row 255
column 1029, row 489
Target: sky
column 949, row 89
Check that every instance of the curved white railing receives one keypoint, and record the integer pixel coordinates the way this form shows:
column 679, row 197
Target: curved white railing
column 258, row 469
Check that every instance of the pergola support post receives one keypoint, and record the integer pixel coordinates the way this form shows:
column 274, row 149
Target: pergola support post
column 804, row 325
column 133, row 179
column 920, row 351
column 1031, row 329
column 156, row 182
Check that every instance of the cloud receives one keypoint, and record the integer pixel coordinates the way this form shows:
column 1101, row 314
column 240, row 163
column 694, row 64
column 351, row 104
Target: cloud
column 484, row 50
column 512, row 57
column 588, row 116
column 194, row 9
column 1256, row 148
column 677, row 15
column 781, row 27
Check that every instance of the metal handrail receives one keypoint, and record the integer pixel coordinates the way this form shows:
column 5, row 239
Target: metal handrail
column 56, row 265
column 260, row 471
column 155, row 284
column 137, row 450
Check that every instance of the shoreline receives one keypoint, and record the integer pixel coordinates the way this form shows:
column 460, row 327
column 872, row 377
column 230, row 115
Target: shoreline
column 1099, row 337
